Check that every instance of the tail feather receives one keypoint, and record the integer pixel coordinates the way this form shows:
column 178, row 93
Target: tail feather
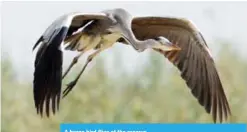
column 48, row 74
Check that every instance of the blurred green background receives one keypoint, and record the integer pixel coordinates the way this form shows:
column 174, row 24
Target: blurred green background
column 155, row 94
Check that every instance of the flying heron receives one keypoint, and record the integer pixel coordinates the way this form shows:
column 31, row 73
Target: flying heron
column 175, row 38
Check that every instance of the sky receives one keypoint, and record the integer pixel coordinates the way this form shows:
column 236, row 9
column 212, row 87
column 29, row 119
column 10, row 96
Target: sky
column 24, row 22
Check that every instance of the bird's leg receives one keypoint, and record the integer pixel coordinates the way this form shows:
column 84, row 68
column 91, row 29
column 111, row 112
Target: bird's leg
column 88, row 45
column 72, row 64
column 89, row 59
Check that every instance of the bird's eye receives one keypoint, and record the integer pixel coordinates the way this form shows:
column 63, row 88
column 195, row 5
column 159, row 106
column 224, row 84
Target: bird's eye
column 157, row 38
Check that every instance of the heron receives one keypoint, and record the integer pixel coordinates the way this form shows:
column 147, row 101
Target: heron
column 177, row 39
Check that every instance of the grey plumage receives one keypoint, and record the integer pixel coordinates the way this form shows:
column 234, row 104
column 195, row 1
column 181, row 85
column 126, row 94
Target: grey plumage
column 177, row 39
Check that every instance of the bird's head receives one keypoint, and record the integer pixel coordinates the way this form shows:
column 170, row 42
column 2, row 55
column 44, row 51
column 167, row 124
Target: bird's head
column 162, row 43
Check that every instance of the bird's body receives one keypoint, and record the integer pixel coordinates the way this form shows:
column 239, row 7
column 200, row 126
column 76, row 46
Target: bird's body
column 91, row 37
column 83, row 42
column 99, row 31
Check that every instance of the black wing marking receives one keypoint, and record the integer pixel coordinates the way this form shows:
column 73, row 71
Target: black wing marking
column 49, row 58
column 48, row 73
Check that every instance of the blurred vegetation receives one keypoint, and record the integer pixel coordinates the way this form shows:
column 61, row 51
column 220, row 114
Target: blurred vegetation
column 156, row 93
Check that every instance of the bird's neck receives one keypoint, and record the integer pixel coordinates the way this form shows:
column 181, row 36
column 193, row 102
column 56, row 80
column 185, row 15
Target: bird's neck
column 130, row 37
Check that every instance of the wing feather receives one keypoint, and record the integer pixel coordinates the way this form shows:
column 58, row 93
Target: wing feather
column 49, row 58
column 194, row 60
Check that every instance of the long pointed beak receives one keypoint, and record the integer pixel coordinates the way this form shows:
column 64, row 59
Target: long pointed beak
column 168, row 46
column 172, row 46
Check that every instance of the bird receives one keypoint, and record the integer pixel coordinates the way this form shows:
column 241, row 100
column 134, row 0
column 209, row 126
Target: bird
column 177, row 39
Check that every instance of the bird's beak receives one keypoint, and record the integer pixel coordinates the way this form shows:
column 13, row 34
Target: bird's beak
column 168, row 46
column 172, row 46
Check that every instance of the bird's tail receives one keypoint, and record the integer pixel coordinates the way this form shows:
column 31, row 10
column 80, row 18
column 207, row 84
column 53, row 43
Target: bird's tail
column 48, row 75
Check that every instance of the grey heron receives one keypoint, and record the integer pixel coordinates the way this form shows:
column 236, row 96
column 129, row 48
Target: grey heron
column 175, row 38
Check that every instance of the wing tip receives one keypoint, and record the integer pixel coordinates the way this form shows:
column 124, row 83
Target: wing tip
column 37, row 43
column 48, row 80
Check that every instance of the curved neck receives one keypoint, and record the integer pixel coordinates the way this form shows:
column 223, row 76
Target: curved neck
column 132, row 40
column 125, row 28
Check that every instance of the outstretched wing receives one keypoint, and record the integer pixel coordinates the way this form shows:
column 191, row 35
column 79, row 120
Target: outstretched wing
column 49, row 58
column 194, row 60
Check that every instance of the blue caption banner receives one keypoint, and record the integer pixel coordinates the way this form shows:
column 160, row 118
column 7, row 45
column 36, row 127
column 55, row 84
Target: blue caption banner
column 153, row 128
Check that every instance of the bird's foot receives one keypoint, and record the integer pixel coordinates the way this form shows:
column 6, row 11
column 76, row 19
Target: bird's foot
column 69, row 88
